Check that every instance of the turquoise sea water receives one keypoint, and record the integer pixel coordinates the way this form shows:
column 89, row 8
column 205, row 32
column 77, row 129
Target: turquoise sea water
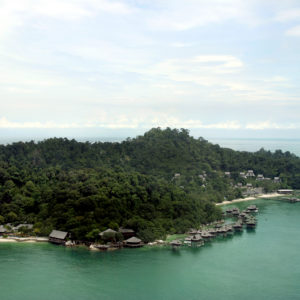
column 260, row 264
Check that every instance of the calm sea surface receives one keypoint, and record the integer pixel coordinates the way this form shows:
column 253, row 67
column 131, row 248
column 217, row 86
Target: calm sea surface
column 262, row 264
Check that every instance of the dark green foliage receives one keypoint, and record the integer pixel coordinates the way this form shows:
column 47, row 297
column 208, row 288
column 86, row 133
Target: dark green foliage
column 85, row 188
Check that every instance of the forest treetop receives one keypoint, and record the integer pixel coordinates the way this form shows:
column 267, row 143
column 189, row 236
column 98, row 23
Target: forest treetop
column 85, row 187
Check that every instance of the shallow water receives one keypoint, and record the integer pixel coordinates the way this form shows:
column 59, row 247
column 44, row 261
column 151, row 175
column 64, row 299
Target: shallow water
column 260, row 264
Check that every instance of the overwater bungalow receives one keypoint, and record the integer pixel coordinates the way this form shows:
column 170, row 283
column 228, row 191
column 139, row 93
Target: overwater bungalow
column 219, row 225
column 229, row 229
column 238, row 226
column 222, row 231
column 206, row 235
column 188, row 240
column 192, row 231
column 251, row 223
column 133, row 242
column 175, row 244
column 58, row 237
column 242, row 215
column 229, row 211
column 197, row 240
column 235, row 211
column 213, row 232
column 252, row 208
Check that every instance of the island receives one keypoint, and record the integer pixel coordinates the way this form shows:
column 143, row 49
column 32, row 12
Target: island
column 142, row 189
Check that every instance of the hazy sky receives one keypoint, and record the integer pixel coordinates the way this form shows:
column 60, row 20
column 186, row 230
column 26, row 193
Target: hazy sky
column 135, row 64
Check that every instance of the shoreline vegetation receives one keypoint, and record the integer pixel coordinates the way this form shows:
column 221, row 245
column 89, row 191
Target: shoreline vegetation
column 167, row 241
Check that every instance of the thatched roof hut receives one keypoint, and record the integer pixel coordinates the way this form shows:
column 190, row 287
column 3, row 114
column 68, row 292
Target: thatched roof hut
column 133, row 242
column 197, row 238
column 176, row 243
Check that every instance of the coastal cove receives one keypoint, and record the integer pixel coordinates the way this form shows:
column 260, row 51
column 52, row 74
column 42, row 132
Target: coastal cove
column 252, row 265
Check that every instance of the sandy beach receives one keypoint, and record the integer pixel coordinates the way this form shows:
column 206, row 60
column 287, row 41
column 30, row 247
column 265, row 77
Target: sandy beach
column 271, row 195
column 22, row 240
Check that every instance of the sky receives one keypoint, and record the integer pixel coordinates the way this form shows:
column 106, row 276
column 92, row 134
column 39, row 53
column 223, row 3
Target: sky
column 112, row 68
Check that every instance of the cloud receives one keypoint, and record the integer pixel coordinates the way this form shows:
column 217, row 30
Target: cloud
column 202, row 69
column 122, row 122
column 270, row 125
column 294, row 31
column 276, row 79
column 173, row 15
column 288, row 15
column 181, row 45
column 60, row 9
column 14, row 14
column 4, row 123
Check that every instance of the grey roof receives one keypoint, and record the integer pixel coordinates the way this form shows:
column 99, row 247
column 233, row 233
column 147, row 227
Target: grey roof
column 2, row 229
column 58, row 234
column 126, row 230
column 176, row 243
column 29, row 226
column 107, row 231
column 197, row 237
column 133, row 240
